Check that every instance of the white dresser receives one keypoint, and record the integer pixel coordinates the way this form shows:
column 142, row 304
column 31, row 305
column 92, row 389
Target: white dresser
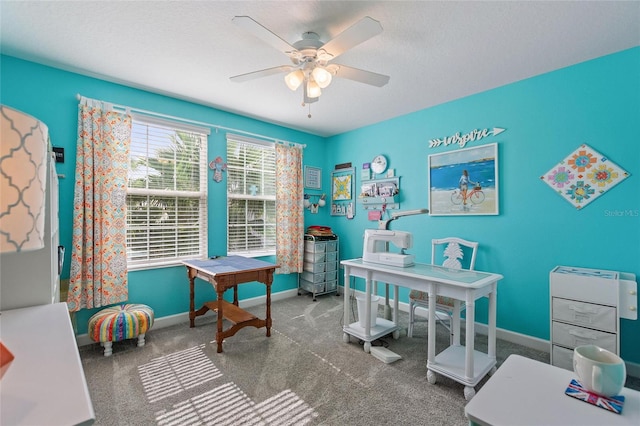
column 586, row 308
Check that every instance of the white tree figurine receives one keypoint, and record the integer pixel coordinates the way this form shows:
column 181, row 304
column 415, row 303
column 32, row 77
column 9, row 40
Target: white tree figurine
column 452, row 253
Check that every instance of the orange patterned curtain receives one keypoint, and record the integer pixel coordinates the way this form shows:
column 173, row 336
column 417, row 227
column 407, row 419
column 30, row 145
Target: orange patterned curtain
column 289, row 209
column 98, row 252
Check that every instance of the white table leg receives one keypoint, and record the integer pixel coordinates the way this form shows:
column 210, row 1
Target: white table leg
column 469, row 338
column 431, row 338
column 396, row 298
column 347, row 295
column 367, row 312
column 491, row 349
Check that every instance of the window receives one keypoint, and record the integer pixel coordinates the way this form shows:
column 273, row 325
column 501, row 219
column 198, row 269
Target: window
column 251, row 196
column 167, row 193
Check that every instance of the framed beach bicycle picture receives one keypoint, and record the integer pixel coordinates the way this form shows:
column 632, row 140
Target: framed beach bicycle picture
column 464, row 182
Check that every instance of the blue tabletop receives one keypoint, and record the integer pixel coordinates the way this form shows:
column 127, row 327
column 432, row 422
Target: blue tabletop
column 227, row 264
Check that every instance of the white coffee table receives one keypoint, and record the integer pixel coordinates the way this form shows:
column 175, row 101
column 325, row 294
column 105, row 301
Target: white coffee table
column 528, row 392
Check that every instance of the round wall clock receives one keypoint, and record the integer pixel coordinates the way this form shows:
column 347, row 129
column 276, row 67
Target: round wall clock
column 379, row 164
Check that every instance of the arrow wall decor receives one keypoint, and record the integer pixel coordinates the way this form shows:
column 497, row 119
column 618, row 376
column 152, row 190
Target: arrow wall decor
column 463, row 139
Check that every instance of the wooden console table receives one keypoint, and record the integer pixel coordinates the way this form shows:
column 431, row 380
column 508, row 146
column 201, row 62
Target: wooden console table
column 225, row 273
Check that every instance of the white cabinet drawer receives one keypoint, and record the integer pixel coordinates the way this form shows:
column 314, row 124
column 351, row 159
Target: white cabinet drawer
column 314, row 278
column 313, row 247
column 585, row 314
column 312, row 287
column 570, row 336
column 562, row 357
column 332, row 245
column 314, row 257
column 313, row 267
column 333, row 275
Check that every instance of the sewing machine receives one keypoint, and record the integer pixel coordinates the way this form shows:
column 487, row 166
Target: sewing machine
column 376, row 247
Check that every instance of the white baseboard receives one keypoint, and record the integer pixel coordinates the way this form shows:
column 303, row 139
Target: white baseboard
column 542, row 345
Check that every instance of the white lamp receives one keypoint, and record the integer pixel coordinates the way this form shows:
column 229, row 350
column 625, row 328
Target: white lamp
column 322, row 77
column 23, row 174
column 294, row 79
column 313, row 90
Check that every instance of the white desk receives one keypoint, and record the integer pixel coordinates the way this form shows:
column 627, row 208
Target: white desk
column 45, row 383
column 461, row 363
column 528, row 392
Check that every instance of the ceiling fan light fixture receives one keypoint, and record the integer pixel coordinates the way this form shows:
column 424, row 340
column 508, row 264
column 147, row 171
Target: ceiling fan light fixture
column 322, row 77
column 313, row 90
column 294, row 79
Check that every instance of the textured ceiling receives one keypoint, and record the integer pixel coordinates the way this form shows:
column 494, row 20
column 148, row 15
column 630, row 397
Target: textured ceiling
column 434, row 51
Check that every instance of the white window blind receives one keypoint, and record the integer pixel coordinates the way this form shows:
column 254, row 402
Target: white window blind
column 251, row 196
column 167, row 193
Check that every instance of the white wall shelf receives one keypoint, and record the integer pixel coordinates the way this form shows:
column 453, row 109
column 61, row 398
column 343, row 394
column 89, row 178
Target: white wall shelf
column 376, row 193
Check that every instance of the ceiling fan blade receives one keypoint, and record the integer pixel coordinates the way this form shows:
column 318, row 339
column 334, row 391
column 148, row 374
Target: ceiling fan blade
column 263, row 33
column 362, row 76
column 359, row 32
column 262, row 73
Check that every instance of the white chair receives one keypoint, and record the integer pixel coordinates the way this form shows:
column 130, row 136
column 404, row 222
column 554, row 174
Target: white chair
column 451, row 249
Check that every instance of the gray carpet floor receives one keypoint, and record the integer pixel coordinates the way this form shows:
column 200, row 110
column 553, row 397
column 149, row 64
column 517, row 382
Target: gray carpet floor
column 304, row 374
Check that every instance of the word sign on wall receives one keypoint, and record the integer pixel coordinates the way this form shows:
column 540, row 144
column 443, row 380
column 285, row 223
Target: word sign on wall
column 462, row 140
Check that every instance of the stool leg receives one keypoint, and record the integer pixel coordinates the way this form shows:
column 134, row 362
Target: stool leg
column 141, row 340
column 107, row 348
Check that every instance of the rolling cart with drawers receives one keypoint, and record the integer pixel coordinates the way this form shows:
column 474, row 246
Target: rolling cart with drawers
column 586, row 308
column 320, row 268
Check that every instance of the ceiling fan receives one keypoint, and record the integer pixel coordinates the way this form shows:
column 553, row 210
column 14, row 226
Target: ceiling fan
column 312, row 60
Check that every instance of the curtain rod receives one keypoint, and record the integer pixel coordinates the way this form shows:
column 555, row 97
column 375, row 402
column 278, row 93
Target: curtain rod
column 201, row 123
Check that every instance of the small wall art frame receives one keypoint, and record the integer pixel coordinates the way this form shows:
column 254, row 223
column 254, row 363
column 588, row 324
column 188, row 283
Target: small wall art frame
column 342, row 190
column 464, row 182
column 312, row 177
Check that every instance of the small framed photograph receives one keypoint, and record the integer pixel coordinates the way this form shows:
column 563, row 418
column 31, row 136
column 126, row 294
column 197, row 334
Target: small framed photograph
column 312, row 177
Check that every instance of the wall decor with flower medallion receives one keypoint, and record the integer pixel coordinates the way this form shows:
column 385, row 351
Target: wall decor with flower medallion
column 583, row 176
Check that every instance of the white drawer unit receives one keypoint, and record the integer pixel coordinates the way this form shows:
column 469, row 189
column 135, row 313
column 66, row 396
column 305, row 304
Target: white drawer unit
column 320, row 267
column 586, row 308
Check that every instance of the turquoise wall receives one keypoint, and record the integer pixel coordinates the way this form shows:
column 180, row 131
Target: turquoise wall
column 50, row 95
column 546, row 117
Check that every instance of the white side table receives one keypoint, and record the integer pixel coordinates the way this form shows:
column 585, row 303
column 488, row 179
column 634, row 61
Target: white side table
column 528, row 392
column 45, row 384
